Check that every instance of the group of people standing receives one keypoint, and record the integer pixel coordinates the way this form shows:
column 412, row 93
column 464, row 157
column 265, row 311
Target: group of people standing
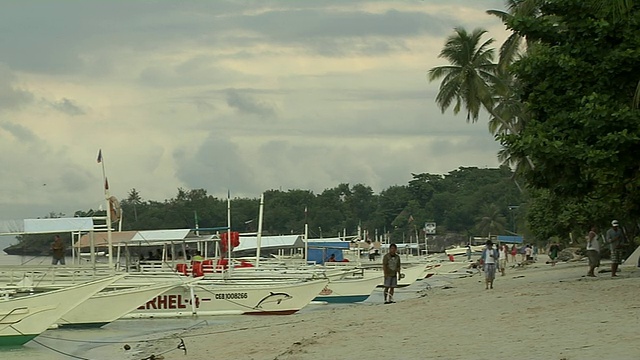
column 494, row 258
column 615, row 238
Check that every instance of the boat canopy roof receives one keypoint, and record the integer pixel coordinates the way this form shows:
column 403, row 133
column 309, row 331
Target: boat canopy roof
column 266, row 242
column 143, row 237
column 44, row 226
column 329, row 244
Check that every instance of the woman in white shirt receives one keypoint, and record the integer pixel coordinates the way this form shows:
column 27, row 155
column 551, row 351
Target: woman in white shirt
column 490, row 258
column 593, row 251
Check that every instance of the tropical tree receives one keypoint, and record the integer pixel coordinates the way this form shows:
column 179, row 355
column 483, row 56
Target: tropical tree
column 583, row 131
column 474, row 81
column 511, row 49
column 469, row 78
column 619, row 10
column 135, row 199
column 491, row 221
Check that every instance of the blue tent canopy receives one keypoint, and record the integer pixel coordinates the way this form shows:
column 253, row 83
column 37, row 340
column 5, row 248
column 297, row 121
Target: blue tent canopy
column 320, row 251
column 510, row 239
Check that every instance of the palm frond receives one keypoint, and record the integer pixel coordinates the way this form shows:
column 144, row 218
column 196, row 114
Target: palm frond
column 503, row 15
column 440, row 71
column 510, row 50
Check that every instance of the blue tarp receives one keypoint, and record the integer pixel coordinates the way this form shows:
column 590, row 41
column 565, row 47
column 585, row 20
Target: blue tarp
column 319, row 251
column 510, row 239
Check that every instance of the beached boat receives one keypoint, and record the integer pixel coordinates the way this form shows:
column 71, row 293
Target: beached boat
column 206, row 298
column 462, row 250
column 107, row 306
column 412, row 274
column 22, row 318
column 349, row 289
column 447, row 267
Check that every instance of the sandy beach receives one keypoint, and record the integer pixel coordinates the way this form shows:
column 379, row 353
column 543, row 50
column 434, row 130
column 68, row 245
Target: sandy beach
column 539, row 312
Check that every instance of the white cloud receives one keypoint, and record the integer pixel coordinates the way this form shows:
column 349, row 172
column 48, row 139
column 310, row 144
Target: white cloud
column 245, row 95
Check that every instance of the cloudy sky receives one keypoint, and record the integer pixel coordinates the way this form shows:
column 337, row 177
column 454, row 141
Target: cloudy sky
column 241, row 95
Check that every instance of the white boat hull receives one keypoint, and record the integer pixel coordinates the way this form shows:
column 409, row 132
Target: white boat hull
column 463, row 250
column 204, row 298
column 112, row 305
column 23, row 318
column 411, row 274
column 349, row 290
column 448, row 267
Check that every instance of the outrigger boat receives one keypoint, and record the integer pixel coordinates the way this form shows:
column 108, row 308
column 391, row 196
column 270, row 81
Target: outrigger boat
column 349, row 289
column 22, row 318
column 107, row 306
column 208, row 297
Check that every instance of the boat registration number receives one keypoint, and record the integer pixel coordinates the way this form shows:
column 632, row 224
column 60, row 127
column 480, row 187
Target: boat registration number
column 230, row 296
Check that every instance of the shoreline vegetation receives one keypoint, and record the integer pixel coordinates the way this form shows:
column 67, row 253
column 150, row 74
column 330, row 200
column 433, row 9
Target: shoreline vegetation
column 466, row 201
column 535, row 312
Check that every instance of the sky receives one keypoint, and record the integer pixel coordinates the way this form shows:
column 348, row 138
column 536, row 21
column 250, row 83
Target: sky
column 244, row 96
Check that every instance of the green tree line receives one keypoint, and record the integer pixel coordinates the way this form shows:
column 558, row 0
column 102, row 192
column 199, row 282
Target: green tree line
column 467, row 201
column 461, row 201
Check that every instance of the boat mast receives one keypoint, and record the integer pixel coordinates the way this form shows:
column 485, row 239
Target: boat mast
column 259, row 235
column 106, row 197
column 306, row 238
column 229, row 265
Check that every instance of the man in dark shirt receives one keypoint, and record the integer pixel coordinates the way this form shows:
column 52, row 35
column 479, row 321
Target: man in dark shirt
column 615, row 239
column 392, row 271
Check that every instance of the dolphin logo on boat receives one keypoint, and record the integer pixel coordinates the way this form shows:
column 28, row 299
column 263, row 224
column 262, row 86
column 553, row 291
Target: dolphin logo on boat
column 273, row 297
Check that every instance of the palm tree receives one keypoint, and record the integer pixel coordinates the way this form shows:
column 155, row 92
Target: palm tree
column 510, row 49
column 472, row 79
column 471, row 75
column 491, row 221
column 135, row 199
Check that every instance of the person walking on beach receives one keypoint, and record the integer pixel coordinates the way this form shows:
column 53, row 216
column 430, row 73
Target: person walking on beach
column 503, row 259
column 593, row 251
column 553, row 253
column 372, row 251
column 514, row 252
column 468, row 252
column 392, row 271
column 615, row 239
column 528, row 253
column 490, row 258
column 57, row 250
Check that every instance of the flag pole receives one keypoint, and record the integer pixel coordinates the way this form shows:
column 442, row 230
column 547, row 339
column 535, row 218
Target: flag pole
column 106, row 197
